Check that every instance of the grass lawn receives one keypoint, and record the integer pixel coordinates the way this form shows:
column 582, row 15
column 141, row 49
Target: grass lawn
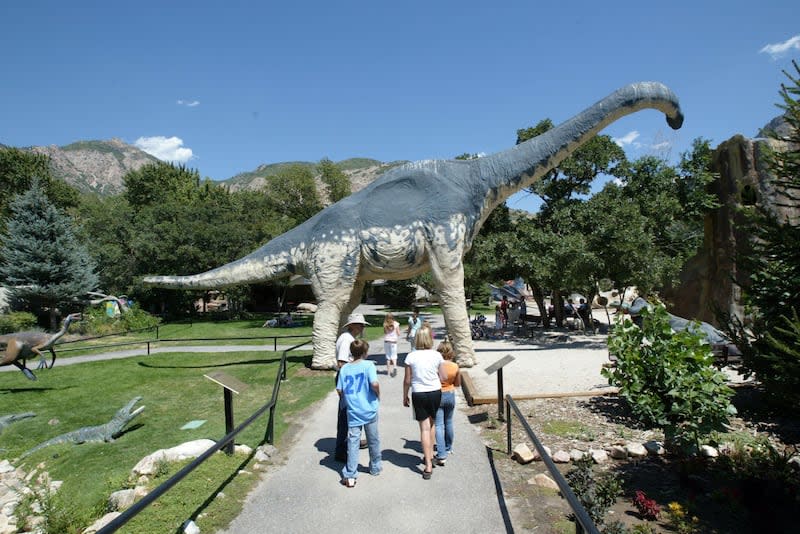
column 174, row 392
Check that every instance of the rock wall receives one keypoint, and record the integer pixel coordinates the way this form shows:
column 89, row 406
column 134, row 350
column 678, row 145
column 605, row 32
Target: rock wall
column 711, row 280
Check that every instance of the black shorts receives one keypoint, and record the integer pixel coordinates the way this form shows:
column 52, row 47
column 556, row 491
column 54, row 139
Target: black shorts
column 426, row 404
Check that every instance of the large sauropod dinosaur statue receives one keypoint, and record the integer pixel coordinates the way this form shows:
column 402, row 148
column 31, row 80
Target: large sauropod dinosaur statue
column 416, row 217
column 20, row 345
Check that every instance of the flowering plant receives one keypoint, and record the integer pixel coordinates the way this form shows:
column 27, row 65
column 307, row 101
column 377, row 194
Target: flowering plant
column 680, row 520
column 648, row 508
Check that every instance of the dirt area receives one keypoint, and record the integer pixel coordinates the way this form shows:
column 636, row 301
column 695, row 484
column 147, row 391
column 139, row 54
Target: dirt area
column 700, row 486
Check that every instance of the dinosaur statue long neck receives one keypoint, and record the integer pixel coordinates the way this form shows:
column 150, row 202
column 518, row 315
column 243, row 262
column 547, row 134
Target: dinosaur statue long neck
column 509, row 171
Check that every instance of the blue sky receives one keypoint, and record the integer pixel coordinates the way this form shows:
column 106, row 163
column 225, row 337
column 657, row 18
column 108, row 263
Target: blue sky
column 227, row 86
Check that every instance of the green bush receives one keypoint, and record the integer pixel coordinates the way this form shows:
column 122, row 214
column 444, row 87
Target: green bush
column 97, row 323
column 596, row 494
column 17, row 322
column 668, row 379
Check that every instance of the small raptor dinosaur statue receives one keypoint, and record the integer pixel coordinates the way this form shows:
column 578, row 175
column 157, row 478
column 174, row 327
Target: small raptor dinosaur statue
column 417, row 217
column 20, row 345
column 99, row 433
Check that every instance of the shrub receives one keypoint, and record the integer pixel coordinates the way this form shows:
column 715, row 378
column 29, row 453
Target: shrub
column 17, row 322
column 596, row 494
column 668, row 379
column 97, row 322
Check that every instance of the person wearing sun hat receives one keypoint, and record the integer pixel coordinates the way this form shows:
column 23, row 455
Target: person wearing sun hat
column 353, row 328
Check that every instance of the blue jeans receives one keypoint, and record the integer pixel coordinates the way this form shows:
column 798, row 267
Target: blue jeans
column 444, row 424
column 373, row 443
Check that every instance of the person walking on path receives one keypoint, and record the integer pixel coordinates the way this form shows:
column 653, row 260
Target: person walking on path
column 358, row 386
column 423, row 376
column 444, row 415
column 504, row 311
column 354, row 327
column 414, row 324
column 391, row 334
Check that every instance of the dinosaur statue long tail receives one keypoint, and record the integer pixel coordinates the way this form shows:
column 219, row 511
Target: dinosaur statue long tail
column 278, row 258
column 518, row 167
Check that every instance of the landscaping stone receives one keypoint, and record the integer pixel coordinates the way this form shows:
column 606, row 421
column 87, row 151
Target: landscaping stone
column 561, row 457
column 100, row 523
column 636, row 450
column 191, row 449
column 537, row 456
column 707, row 451
column 617, row 452
column 544, row 481
column 599, row 456
column 576, row 455
column 522, row 454
column 121, row 500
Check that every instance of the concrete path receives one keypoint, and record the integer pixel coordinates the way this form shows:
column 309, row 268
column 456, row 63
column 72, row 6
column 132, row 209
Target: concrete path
column 304, row 495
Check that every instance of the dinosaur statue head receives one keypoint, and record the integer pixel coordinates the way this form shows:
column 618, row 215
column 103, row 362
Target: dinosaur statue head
column 124, row 415
column 71, row 318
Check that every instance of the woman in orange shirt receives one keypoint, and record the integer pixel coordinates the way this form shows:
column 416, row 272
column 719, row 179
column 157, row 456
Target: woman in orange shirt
column 444, row 415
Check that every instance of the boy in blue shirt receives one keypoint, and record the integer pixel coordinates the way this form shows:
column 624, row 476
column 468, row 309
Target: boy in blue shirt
column 358, row 386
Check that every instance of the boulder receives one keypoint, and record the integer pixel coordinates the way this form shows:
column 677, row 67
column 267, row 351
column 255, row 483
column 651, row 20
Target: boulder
column 544, row 481
column 522, row 454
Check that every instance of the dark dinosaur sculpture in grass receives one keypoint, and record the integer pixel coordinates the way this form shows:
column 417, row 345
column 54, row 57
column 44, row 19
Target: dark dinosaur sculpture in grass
column 417, row 217
column 99, row 433
column 20, row 345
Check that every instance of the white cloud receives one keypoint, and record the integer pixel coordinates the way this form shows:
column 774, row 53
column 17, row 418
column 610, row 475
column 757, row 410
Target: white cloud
column 627, row 139
column 777, row 50
column 165, row 148
column 189, row 103
column 663, row 145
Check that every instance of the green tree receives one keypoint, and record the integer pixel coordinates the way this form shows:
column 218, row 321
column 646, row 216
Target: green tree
column 336, row 181
column 155, row 182
column 18, row 168
column 292, row 195
column 772, row 295
column 42, row 261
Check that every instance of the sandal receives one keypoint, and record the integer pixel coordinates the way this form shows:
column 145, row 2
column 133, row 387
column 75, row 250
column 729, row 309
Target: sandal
column 426, row 475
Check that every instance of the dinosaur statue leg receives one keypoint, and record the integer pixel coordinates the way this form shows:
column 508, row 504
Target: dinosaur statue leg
column 27, row 372
column 353, row 302
column 448, row 275
column 42, row 358
column 334, row 290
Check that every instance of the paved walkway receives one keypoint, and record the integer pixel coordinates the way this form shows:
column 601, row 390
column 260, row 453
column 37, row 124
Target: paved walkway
column 304, row 495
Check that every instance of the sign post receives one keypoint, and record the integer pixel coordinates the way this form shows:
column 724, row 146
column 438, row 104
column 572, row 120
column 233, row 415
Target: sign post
column 498, row 366
column 229, row 385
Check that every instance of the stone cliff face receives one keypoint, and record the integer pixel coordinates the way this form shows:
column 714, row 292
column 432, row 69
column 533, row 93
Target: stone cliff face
column 711, row 280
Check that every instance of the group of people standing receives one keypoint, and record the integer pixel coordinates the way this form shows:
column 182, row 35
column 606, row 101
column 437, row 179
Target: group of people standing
column 431, row 377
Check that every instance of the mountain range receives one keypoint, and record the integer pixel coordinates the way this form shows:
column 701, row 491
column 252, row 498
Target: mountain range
column 100, row 166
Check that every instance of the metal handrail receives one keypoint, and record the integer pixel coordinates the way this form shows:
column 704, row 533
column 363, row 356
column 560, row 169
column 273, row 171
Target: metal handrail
column 583, row 523
column 176, row 340
column 140, row 505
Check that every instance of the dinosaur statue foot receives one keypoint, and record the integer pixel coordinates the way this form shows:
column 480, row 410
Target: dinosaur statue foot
column 29, row 374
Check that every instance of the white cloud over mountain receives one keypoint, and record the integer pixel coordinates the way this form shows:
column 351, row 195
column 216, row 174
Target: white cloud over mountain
column 169, row 149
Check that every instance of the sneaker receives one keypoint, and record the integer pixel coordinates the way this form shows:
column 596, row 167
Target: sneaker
column 349, row 482
column 439, row 462
column 376, row 473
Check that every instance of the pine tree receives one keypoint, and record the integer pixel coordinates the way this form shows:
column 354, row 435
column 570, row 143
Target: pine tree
column 773, row 293
column 41, row 262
